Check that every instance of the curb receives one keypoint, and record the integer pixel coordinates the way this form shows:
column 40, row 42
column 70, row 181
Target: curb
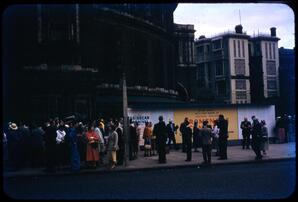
column 84, row 172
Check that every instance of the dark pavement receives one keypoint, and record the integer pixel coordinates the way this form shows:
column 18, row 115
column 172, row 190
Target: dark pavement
column 264, row 180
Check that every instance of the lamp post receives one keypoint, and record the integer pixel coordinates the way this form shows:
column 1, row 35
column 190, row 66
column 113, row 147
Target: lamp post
column 125, row 120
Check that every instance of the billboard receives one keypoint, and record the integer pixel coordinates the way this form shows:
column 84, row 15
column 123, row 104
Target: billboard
column 233, row 114
column 209, row 114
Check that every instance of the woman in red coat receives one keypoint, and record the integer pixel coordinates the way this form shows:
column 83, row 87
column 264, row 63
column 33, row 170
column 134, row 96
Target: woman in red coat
column 92, row 155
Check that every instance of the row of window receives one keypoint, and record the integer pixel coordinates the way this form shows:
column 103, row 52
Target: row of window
column 240, row 49
column 270, row 50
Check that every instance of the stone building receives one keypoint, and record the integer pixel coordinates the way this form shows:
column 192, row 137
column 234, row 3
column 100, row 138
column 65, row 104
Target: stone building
column 65, row 59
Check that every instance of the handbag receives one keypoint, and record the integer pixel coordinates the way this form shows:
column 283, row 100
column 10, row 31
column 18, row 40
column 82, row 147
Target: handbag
column 147, row 146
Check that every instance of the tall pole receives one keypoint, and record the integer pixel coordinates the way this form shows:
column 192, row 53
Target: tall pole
column 125, row 119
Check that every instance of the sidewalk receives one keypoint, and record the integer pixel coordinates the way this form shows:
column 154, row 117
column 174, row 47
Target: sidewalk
column 177, row 159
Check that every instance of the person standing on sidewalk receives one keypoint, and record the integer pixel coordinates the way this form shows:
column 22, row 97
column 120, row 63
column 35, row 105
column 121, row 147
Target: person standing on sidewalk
column 171, row 133
column 147, row 139
column 256, row 137
column 101, row 146
column 92, row 153
column 121, row 143
column 196, row 135
column 153, row 142
column 223, row 137
column 112, row 146
column 246, row 128
column 183, row 131
column 265, row 140
column 215, row 132
column 206, row 134
column 160, row 131
column 188, row 138
column 72, row 138
column 50, row 146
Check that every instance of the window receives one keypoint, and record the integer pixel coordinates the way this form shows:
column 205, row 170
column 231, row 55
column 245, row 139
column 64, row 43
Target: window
column 200, row 54
column 234, row 42
column 273, row 47
column 271, row 84
column 221, row 88
column 239, row 49
column 266, row 50
column 241, row 95
column 243, row 54
column 208, row 48
column 239, row 66
column 272, row 93
column 270, row 56
column 217, row 44
column 241, row 84
column 219, row 68
column 209, row 71
column 271, row 68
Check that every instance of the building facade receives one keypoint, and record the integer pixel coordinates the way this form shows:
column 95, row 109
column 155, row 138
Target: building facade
column 185, row 65
column 65, row 59
column 239, row 68
column 224, row 62
column 264, row 66
column 286, row 105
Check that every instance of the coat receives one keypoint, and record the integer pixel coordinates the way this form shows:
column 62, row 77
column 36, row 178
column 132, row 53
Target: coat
column 113, row 141
column 92, row 154
column 223, row 129
column 160, row 131
column 74, row 154
column 206, row 134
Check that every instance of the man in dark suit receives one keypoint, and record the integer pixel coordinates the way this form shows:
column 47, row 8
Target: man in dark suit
column 160, row 131
column 246, row 127
column 171, row 133
column 188, row 137
column 183, row 131
column 256, row 133
column 223, row 137
column 50, row 146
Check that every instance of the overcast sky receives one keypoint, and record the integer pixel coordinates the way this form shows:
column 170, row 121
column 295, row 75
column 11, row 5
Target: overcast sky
column 211, row 19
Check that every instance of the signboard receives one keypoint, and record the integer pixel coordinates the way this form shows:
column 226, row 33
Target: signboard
column 209, row 114
column 142, row 116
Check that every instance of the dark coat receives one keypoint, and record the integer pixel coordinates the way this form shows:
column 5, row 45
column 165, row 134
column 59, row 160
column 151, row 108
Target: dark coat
column 246, row 127
column 160, row 131
column 188, row 135
column 223, row 129
column 37, row 136
column 171, row 130
column 256, row 131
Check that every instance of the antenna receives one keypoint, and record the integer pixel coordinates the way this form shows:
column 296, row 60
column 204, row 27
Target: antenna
column 240, row 16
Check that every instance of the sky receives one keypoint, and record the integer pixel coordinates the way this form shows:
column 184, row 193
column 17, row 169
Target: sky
column 212, row 19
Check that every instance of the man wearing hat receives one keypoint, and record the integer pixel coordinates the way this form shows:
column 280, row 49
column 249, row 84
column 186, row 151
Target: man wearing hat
column 160, row 131
column 13, row 143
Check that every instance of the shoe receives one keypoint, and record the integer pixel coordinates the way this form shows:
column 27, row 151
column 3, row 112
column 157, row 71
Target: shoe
column 222, row 158
column 187, row 160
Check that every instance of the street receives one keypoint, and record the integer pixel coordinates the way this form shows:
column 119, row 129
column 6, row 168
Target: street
column 266, row 180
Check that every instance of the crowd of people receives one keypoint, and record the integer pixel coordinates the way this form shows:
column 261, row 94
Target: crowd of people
column 69, row 144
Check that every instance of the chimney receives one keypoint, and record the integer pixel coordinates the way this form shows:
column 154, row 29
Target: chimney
column 238, row 29
column 273, row 31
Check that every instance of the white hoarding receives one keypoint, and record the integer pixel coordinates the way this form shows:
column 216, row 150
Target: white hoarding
column 266, row 113
column 142, row 116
